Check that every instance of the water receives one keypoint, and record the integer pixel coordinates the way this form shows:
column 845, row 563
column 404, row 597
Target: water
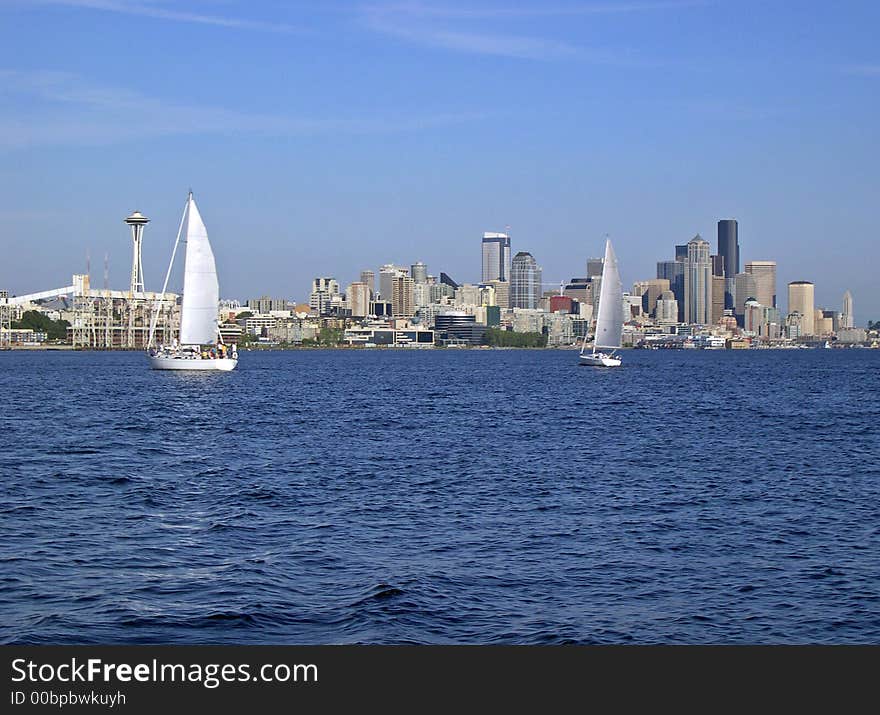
column 442, row 497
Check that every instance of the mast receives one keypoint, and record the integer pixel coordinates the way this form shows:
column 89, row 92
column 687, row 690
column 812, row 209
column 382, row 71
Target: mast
column 161, row 298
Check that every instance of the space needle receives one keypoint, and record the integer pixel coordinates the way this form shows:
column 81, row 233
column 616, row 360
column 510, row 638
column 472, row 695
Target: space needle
column 137, row 221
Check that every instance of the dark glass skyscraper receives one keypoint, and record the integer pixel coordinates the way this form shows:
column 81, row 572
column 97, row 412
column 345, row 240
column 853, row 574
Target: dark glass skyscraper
column 728, row 249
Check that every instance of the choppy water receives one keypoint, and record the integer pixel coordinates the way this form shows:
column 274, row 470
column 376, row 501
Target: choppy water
column 441, row 497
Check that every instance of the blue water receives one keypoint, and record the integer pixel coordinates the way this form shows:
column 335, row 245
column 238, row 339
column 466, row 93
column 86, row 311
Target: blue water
column 442, row 497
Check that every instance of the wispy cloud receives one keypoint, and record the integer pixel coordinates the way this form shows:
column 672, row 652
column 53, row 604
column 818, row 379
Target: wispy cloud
column 162, row 12
column 867, row 70
column 452, row 28
column 61, row 109
column 540, row 9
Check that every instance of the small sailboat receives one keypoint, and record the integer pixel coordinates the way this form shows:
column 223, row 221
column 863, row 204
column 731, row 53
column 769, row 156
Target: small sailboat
column 609, row 321
column 200, row 346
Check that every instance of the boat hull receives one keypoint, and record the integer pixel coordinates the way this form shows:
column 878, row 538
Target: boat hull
column 178, row 363
column 599, row 360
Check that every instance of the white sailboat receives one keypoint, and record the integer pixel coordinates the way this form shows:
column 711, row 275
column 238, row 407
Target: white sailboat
column 200, row 346
column 609, row 322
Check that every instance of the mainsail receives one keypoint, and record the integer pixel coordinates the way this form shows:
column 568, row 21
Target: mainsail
column 201, row 292
column 609, row 322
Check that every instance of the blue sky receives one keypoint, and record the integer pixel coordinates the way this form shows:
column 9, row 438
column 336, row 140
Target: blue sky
column 323, row 138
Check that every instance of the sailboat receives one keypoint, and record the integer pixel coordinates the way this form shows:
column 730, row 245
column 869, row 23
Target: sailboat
column 200, row 346
column 609, row 322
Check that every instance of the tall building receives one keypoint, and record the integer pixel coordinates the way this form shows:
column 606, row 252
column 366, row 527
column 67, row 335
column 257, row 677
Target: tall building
column 801, row 300
column 698, row 283
column 323, row 291
column 847, row 317
column 728, row 249
column 402, row 296
column 594, row 267
column 358, row 295
column 717, row 312
column 369, row 278
column 525, row 281
column 765, row 281
column 496, row 257
column 650, row 291
column 717, row 265
column 745, row 289
column 673, row 271
column 502, row 293
column 419, row 272
column 387, row 274
column 667, row 308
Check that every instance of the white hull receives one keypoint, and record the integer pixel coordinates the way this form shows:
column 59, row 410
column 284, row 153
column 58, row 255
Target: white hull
column 599, row 360
column 180, row 363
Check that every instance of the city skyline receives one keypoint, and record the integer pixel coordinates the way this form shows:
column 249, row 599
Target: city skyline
column 425, row 126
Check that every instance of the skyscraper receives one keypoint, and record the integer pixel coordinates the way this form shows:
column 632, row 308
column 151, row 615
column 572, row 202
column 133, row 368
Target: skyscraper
column 717, row 312
column 402, row 296
column 745, row 289
column 525, row 281
column 369, row 278
column 594, row 267
column 358, row 297
column 728, row 249
column 673, row 271
column 847, row 319
column 765, row 281
column 698, row 283
column 419, row 272
column 801, row 300
column 387, row 274
column 496, row 257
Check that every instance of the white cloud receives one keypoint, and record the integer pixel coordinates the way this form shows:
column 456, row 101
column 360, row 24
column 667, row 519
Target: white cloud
column 71, row 111
column 162, row 12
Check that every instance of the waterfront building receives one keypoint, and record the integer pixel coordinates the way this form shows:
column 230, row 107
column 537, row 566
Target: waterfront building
column 525, row 281
column 402, row 296
column 764, row 273
column 496, row 257
column 358, row 295
column 698, row 282
column 459, row 327
column 419, row 272
column 847, row 317
column 728, row 250
column 801, row 300
column 666, row 311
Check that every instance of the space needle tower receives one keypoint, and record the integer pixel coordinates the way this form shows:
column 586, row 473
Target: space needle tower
column 137, row 221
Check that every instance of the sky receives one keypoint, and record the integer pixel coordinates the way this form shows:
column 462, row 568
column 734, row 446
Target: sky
column 324, row 138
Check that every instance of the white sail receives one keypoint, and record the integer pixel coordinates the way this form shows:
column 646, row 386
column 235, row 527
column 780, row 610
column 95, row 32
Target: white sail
column 609, row 322
column 201, row 292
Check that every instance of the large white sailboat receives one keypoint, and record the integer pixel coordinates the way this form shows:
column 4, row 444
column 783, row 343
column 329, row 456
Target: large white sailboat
column 200, row 346
column 609, row 321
